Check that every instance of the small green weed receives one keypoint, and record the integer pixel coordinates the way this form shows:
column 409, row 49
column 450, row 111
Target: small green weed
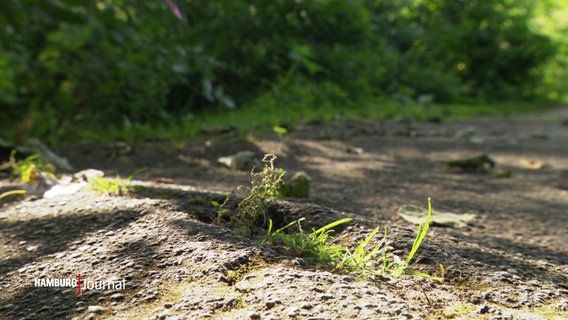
column 315, row 245
column 251, row 211
column 280, row 131
column 26, row 168
column 362, row 261
column 221, row 210
column 309, row 244
column 399, row 267
column 265, row 185
column 32, row 172
column 116, row 187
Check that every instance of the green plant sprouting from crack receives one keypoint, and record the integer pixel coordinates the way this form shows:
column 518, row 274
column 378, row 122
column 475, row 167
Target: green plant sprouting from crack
column 361, row 261
column 365, row 260
column 221, row 208
column 117, row 186
column 309, row 244
column 26, row 168
column 281, row 132
column 32, row 172
column 265, row 186
column 400, row 267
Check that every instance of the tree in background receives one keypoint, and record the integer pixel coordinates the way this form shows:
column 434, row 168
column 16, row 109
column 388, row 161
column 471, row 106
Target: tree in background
column 67, row 64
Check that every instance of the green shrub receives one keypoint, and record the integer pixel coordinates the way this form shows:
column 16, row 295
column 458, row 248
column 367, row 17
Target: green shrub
column 68, row 65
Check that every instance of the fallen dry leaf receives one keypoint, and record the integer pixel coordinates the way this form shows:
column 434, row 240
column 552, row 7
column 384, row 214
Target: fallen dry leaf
column 533, row 164
column 417, row 215
column 164, row 180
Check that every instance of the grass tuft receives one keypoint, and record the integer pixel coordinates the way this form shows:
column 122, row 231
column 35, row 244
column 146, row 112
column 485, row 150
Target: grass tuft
column 309, row 244
column 365, row 260
column 29, row 166
column 115, row 187
column 250, row 213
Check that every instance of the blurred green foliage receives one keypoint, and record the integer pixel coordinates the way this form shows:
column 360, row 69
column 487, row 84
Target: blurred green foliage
column 66, row 65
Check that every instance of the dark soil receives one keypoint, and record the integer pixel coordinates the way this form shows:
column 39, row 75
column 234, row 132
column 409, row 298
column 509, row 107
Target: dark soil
column 178, row 263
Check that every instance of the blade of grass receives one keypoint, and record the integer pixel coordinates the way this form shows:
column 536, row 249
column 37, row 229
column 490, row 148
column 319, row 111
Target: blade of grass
column 422, row 230
column 333, row 224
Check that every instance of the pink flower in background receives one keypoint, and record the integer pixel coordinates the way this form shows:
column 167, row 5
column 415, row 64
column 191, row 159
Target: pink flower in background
column 175, row 9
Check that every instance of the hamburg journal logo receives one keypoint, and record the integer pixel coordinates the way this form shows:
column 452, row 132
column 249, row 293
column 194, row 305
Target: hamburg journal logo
column 81, row 284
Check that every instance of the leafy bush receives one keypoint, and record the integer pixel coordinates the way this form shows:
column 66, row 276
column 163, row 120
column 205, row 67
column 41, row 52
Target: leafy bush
column 66, row 65
column 490, row 45
column 97, row 62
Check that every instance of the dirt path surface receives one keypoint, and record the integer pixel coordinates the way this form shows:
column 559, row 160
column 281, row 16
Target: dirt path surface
column 167, row 258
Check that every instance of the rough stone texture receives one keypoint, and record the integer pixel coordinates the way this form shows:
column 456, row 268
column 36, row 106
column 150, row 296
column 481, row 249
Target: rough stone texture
column 177, row 263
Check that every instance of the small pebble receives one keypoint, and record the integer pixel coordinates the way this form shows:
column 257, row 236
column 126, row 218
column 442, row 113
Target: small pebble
column 117, row 297
column 254, row 315
column 483, row 310
column 306, row 306
column 96, row 309
column 292, row 312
